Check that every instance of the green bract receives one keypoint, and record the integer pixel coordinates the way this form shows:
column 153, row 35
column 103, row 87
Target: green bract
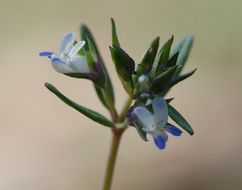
column 93, row 115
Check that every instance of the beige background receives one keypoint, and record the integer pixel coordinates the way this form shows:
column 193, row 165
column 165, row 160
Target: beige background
column 45, row 145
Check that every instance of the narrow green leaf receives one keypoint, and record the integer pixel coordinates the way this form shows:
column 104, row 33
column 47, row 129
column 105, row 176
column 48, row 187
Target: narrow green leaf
column 78, row 75
column 162, row 57
column 84, row 30
column 115, row 40
column 95, row 116
column 180, row 78
column 172, row 61
column 166, row 51
column 176, row 80
column 162, row 79
column 124, row 64
column 148, row 58
column 169, row 100
column 184, row 48
column 179, row 119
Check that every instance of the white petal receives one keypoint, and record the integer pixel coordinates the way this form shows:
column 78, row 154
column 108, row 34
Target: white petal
column 67, row 42
column 76, row 48
column 60, row 67
column 79, row 64
column 160, row 110
column 144, row 118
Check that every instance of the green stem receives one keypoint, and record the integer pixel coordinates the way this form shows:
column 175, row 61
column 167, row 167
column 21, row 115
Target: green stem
column 117, row 134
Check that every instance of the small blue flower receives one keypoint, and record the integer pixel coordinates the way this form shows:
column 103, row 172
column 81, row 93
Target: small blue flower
column 156, row 123
column 69, row 61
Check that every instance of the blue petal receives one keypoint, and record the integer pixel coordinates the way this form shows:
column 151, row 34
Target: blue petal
column 160, row 142
column 45, row 54
column 172, row 129
column 57, row 60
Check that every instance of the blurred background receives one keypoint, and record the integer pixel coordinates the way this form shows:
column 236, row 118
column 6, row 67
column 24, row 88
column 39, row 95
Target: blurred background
column 45, row 145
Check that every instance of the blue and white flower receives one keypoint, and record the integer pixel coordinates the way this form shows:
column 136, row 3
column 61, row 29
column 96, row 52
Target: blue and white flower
column 69, row 61
column 156, row 123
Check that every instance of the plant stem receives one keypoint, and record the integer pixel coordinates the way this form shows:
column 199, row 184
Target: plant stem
column 117, row 134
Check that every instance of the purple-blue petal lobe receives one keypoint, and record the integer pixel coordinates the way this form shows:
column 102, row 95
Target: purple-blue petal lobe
column 46, row 53
column 57, row 60
column 160, row 142
column 173, row 130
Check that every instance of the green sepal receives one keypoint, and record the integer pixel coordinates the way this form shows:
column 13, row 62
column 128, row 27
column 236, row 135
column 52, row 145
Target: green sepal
column 148, row 59
column 90, row 59
column 142, row 85
column 142, row 134
column 162, row 79
column 179, row 119
column 176, row 80
column 85, row 32
column 165, row 52
column 168, row 100
column 184, row 48
column 78, row 75
column 124, row 66
column 115, row 40
column 138, row 125
column 82, row 51
column 162, row 57
column 93, row 115
column 172, row 61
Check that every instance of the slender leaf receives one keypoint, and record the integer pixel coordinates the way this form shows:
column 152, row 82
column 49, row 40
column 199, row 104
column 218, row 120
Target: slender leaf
column 166, row 51
column 93, row 115
column 180, row 78
column 162, row 57
column 172, row 61
column 124, row 64
column 179, row 119
column 162, row 79
column 184, row 48
column 148, row 58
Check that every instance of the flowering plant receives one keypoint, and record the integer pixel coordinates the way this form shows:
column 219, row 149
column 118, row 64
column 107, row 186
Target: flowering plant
column 146, row 84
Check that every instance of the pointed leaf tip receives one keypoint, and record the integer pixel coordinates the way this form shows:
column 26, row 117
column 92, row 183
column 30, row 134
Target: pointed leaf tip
column 179, row 119
column 115, row 40
column 149, row 57
column 184, row 48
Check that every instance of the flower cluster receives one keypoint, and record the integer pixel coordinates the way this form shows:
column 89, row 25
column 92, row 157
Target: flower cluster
column 146, row 82
column 154, row 76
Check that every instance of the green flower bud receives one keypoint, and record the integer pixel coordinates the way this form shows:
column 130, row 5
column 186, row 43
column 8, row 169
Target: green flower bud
column 143, row 85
